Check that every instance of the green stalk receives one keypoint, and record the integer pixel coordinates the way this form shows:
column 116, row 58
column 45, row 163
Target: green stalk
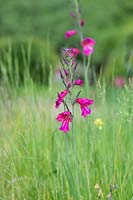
column 85, row 66
column 86, row 75
column 73, row 136
column 76, row 161
column 78, row 19
column 73, row 183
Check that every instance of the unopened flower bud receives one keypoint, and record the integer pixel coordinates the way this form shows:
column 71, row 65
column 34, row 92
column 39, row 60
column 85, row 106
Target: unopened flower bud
column 82, row 22
column 73, row 15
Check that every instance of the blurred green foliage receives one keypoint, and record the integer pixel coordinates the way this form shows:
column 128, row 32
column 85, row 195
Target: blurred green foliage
column 25, row 59
column 109, row 22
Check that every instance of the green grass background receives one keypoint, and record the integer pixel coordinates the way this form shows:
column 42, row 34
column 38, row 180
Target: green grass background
column 34, row 162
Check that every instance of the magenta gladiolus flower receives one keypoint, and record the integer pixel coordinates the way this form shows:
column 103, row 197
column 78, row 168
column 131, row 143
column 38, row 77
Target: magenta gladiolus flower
column 79, row 82
column 87, row 45
column 84, row 103
column 88, row 41
column 119, row 81
column 65, row 118
column 88, row 50
column 70, row 33
column 60, row 98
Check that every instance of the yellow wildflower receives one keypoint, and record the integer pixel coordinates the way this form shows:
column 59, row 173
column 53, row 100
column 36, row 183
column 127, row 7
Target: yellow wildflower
column 99, row 123
column 97, row 186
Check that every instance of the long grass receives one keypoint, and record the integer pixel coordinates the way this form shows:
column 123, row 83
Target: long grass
column 34, row 164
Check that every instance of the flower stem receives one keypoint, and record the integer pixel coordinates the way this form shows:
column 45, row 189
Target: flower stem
column 81, row 34
column 76, row 161
column 78, row 14
column 86, row 75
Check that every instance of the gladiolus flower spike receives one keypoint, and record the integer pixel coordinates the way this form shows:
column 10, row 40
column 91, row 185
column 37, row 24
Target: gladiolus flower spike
column 68, row 75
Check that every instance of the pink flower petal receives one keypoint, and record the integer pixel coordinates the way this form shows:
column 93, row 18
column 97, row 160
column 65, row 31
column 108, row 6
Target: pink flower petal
column 75, row 51
column 63, row 94
column 88, row 41
column 87, row 45
column 70, row 33
column 119, row 81
column 88, row 50
column 58, row 102
column 85, row 111
column 84, row 103
column 62, row 116
column 79, row 82
column 60, row 98
column 72, row 52
column 65, row 118
column 64, row 126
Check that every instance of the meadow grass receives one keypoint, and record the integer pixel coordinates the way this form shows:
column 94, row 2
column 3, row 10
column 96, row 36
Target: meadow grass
column 34, row 164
